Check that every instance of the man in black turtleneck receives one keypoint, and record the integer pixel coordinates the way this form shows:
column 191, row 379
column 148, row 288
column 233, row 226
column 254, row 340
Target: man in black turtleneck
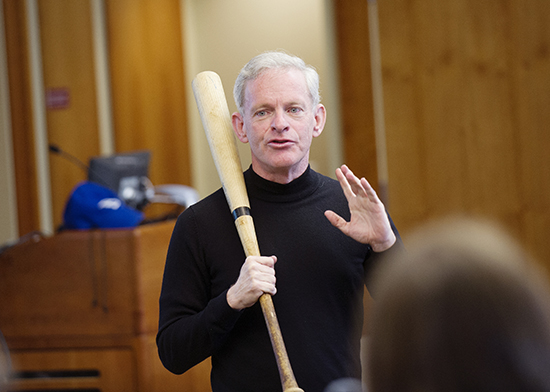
column 320, row 236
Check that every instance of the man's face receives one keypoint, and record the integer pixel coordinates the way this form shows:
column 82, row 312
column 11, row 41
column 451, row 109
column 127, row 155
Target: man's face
column 279, row 122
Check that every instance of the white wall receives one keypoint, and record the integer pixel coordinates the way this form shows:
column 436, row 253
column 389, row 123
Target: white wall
column 221, row 36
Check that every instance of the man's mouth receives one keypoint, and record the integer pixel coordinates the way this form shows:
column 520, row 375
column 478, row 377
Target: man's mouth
column 280, row 142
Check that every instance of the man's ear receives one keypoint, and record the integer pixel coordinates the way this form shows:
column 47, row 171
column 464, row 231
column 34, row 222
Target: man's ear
column 238, row 127
column 320, row 120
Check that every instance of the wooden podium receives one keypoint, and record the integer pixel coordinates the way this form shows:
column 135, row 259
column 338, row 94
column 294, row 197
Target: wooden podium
column 79, row 311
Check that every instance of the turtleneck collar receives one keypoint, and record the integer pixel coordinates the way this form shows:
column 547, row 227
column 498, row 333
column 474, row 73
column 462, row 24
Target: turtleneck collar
column 297, row 189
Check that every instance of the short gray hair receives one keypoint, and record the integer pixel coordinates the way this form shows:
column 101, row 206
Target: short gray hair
column 275, row 60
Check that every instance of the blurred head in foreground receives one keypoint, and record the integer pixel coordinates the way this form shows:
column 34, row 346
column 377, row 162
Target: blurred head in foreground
column 464, row 310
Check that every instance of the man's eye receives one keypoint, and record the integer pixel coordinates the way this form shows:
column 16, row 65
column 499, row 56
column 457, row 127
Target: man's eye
column 261, row 113
column 295, row 110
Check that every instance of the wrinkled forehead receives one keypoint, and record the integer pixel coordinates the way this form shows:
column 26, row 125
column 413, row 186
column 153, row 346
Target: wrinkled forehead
column 286, row 83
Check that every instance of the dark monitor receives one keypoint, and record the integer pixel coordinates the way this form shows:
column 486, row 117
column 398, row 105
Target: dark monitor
column 124, row 173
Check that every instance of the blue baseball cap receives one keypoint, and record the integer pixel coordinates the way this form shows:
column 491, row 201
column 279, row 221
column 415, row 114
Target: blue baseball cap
column 92, row 206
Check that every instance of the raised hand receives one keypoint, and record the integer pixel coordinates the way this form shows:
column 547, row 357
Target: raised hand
column 369, row 223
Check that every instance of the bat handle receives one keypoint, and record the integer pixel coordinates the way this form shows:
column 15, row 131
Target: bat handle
column 283, row 363
column 247, row 234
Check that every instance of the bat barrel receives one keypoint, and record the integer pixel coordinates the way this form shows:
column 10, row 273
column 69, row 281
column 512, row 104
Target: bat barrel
column 216, row 121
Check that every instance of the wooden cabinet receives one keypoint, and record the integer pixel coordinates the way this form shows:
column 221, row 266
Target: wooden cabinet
column 80, row 311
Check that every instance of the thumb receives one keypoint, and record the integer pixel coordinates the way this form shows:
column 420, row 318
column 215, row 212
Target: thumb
column 335, row 219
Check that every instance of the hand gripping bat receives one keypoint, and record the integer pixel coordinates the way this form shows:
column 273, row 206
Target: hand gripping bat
column 216, row 120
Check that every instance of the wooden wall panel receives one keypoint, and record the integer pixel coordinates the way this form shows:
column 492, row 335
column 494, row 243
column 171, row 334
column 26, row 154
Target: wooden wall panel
column 148, row 88
column 68, row 64
column 21, row 115
column 530, row 62
column 356, row 100
column 467, row 101
column 401, row 113
column 148, row 92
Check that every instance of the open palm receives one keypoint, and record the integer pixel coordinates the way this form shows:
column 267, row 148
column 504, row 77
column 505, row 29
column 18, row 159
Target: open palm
column 369, row 223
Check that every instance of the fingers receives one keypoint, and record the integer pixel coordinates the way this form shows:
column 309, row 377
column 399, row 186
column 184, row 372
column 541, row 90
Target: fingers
column 369, row 191
column 261, row 273
column 257, row 277
column 353, row 186
column 344, row 183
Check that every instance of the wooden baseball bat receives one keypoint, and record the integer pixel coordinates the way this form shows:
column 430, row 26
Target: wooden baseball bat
column 216, row 120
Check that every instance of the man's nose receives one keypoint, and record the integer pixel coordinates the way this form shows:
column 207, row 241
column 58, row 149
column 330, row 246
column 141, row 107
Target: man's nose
column 279, row 122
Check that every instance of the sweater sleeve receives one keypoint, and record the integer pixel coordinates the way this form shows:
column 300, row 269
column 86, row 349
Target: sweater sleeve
column 375, row 258
column 192, row 324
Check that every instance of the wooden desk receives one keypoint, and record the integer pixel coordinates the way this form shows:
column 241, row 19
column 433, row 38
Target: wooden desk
column 79, row 310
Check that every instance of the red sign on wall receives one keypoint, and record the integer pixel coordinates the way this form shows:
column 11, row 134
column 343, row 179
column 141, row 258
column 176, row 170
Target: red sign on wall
column 57, row 98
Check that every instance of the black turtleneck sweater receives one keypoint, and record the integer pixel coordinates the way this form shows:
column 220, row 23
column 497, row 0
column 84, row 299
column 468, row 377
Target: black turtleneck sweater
column 320, row 279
